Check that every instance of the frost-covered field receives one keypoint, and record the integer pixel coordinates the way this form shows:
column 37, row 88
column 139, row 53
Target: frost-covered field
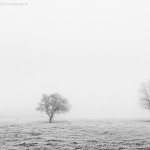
column 77, row 135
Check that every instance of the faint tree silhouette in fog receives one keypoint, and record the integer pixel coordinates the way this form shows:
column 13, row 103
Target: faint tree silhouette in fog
column 53, row 104
column 145, row 95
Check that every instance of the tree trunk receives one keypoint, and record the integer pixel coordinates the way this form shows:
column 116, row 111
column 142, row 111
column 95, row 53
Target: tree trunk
column 50, row 118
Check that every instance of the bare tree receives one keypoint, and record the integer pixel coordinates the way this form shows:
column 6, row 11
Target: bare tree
column 145, row 95
column 53, row 104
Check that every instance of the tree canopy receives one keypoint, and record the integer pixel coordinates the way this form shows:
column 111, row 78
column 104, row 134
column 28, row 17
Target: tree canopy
column 53, row 104
column 145, row 95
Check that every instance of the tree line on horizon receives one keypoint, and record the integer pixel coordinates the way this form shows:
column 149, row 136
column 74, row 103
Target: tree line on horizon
column 55, row 104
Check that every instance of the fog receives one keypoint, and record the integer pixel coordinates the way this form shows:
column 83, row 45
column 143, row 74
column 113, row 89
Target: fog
column 94, row 53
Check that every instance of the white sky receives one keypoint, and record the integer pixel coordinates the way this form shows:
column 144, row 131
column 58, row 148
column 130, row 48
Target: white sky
column 93, row 52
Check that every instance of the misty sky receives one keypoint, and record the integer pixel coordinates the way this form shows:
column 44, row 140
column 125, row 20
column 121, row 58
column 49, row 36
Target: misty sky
column 95, row 53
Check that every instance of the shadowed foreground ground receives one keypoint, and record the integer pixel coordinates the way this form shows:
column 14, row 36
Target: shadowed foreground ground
column 86, row 135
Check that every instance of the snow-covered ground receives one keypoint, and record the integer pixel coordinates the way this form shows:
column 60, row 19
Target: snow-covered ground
column 75, row 135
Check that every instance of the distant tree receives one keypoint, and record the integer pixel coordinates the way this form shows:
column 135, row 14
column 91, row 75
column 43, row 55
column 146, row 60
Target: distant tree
column 145, row 95
column 53, row 104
